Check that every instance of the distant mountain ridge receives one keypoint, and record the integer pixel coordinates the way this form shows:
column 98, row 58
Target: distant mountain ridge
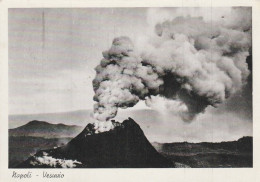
column 155, row 125
column 44, row 129
column 243, row 144
column 69, row 118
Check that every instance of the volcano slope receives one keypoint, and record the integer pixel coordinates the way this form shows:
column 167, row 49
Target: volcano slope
column 125, row 146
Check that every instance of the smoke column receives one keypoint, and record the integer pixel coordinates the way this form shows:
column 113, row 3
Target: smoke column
column 190, row 61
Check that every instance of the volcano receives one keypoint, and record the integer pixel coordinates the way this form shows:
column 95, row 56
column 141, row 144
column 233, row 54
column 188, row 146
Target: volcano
column 125, row 146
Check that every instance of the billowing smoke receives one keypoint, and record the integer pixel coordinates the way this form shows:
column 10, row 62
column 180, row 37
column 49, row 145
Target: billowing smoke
column 191, row 61
column 122, row 79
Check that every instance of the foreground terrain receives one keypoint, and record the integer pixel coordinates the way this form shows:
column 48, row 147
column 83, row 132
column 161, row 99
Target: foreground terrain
column 198, row 155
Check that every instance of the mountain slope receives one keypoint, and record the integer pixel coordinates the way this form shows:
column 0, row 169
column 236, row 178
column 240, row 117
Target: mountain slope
column 124, row 146
column 44, row 129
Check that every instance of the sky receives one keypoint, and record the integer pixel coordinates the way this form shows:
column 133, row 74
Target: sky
column 52, row 61
column 53, row 53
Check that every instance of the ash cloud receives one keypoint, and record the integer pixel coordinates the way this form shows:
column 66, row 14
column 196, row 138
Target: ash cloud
column 190, row 60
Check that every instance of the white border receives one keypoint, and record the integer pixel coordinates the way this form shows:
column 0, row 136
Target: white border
column 89, row 175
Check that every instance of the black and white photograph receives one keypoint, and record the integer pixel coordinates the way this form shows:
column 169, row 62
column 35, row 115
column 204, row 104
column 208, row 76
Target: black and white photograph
column 130, row 87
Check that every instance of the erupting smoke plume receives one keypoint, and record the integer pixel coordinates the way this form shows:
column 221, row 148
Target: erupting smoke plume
column 189, row 60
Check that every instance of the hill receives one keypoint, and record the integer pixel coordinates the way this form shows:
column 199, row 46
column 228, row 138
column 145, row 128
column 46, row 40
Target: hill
column 44, row 129
column 123, row 147
column 69, row 118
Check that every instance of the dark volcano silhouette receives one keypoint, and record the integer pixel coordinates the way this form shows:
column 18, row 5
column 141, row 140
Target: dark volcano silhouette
column 123, row 147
